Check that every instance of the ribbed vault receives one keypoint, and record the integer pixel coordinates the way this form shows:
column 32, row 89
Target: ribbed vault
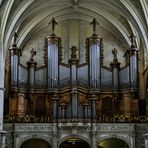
column 121, row 17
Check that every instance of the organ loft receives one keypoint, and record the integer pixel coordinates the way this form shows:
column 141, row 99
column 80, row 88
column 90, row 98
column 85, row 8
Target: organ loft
column 73, row 91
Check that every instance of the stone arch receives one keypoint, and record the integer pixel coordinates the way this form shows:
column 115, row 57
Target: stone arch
column 74, row 136
column 26, row 138
column 114, row 136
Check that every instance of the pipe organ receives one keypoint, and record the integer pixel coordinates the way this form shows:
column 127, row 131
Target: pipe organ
column 73, row 91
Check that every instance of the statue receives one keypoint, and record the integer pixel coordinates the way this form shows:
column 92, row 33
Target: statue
column 114, row 52
column 73, row 52
column 33, row 53
column 133, row 40
column 53, row 23
column 94, row 23
column 15, row 36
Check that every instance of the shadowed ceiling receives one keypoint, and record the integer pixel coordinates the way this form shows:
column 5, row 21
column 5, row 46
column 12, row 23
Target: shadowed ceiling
column 120, row 17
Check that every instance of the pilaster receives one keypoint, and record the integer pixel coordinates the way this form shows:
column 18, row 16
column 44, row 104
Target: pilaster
column 2, row 139
column 1, row 89
column 146, row 140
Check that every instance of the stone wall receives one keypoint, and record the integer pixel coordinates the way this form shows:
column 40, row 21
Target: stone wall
column 55, row 134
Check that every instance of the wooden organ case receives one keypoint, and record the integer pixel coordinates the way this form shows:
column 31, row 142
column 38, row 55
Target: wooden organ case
column 73, row 91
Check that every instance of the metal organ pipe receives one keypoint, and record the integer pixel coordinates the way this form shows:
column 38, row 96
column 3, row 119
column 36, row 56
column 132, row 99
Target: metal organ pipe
column 31, row 73
column 115, row 67
column 53, row 65
column 54, row 43
column 94, row 58
column 14, row 55
column 133, row 69
column 133, row 63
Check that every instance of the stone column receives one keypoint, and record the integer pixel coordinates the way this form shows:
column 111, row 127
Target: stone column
column 132, row 140
column 1, row 88
column 2, row 139
column 2, row 133
column 1, row 106
column 55, row 141
column 93, row 139
column 146, row 140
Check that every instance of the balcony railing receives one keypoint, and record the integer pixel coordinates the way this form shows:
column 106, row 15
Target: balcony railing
column 101, row 119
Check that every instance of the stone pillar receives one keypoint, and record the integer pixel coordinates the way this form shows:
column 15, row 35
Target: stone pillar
column 55, row 141
column 2, row 139
column 1, row 88
column 132, row 140
column 21, row 105
column 93, row 139
column 1, row 106
column 146, row 140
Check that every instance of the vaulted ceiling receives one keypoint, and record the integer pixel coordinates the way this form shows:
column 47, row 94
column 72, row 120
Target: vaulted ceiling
column 121, row 17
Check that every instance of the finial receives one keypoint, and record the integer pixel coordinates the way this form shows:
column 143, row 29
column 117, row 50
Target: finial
column 32, row 53
column 133, row 40
column 15, row 36
column 94, row 24
column 53, row 23
column 73, row 52
column 114, row 52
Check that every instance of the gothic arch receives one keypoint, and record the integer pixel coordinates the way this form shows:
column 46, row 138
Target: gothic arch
column 115, row 136
column 23, row 139
column 74, row 136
